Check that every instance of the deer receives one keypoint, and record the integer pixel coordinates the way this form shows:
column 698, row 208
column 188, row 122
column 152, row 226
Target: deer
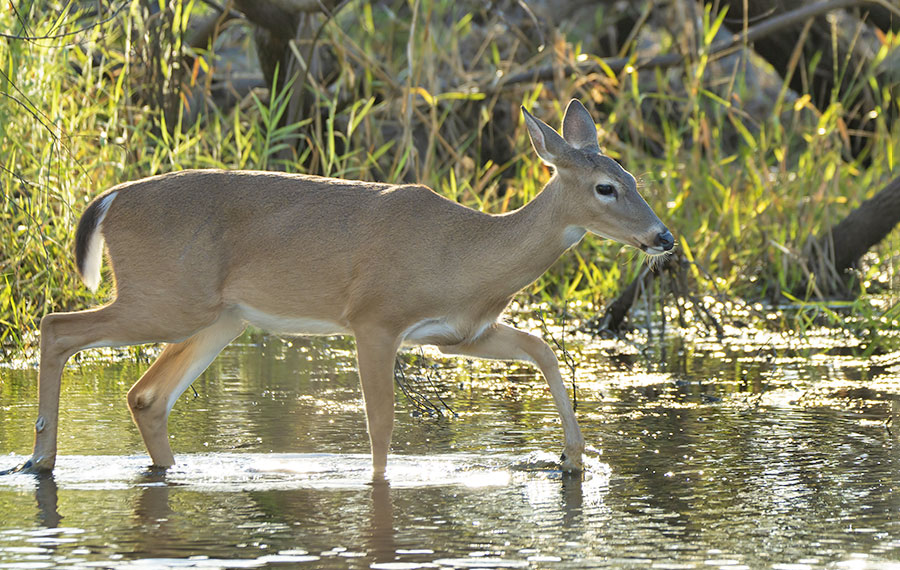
column 198, row 255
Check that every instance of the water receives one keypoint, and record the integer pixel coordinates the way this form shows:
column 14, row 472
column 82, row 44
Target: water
column 749, row 455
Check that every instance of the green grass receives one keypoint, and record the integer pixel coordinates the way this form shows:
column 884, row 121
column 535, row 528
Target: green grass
column 743, row 194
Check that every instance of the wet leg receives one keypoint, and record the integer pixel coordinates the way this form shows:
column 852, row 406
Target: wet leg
column 376, row 353
column 64, row 334
column 502, row 342
column 152, row 397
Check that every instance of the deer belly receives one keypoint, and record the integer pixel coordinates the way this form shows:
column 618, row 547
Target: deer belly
column 440, row 331
column 287, row 324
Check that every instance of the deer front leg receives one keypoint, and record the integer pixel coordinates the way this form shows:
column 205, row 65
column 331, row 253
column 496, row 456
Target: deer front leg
column 376, row 353
column 502, row 342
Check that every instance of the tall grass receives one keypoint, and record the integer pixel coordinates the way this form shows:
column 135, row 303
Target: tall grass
column 411, row 100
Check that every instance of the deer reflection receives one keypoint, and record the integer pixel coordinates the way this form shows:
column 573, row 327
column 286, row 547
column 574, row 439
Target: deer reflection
column 311, row 519
column 370, row 523
column 572, row 495
column 380, row 543
column 152, row 505
column 47, row 496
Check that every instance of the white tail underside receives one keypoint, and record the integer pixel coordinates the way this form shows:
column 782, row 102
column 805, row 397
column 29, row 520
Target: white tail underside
column 94, row 254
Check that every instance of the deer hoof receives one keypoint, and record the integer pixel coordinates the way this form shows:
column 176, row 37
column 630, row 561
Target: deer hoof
column 27, row 467
column 571, row 463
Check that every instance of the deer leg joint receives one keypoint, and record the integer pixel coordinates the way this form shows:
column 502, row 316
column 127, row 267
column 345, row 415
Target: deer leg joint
column 140, row 401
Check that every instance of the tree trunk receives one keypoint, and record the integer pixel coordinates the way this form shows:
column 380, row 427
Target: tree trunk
column 275, row 28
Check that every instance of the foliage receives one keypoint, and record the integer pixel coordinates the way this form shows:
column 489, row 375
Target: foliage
column 742, row 191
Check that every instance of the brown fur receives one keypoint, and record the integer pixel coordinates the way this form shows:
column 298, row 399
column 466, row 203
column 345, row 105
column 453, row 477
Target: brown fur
column 198, row 254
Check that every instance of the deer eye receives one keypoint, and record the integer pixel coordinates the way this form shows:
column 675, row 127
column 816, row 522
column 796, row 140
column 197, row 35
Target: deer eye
column 605, row 190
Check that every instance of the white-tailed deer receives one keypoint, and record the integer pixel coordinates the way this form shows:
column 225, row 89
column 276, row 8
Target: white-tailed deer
column 199, row 254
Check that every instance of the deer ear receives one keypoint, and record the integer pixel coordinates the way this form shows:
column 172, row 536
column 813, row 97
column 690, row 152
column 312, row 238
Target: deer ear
column 578, row 127
column 546, row 142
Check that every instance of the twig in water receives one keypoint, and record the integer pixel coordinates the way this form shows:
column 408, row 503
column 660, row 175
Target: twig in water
column 418, row 397
column 566, row 355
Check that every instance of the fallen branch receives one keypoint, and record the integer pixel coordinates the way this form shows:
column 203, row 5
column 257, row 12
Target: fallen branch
column 615, row 312
column 675, row 267
column 840, row 248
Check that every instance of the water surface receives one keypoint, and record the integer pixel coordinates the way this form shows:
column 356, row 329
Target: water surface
column 751, row 455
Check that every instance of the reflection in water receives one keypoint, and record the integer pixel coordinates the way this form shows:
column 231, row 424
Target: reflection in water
column 296, row 508
column 153, row 511
column 694, row 473
column 380, row 544
column 47, row 501
column 572, row 499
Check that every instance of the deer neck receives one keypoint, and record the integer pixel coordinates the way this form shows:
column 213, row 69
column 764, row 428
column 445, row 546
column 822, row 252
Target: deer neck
column 533, row 238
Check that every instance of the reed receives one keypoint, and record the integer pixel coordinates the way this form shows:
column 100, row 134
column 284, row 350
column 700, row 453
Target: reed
column 411, row 101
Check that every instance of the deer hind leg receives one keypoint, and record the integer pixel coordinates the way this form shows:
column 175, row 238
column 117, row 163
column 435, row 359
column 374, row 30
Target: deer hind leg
column 64, row 334
column 376, row 353
column 152, row 397
column 502, row 342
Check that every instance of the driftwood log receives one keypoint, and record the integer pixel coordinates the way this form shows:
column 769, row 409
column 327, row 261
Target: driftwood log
column 840, row 248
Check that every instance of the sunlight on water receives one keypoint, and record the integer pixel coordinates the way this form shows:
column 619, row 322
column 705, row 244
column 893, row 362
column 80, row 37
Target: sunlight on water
column 226, row 472
column 197, row 562
column 479, row 562
column 741, row 454
column 536, row 475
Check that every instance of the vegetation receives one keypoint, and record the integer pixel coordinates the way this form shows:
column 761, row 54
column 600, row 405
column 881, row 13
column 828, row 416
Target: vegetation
column 745, row 171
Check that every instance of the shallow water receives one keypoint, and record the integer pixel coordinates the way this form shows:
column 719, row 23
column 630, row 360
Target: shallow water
column 748, row 455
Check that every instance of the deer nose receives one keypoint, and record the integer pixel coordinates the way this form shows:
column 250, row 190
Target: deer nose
column 665, row 240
